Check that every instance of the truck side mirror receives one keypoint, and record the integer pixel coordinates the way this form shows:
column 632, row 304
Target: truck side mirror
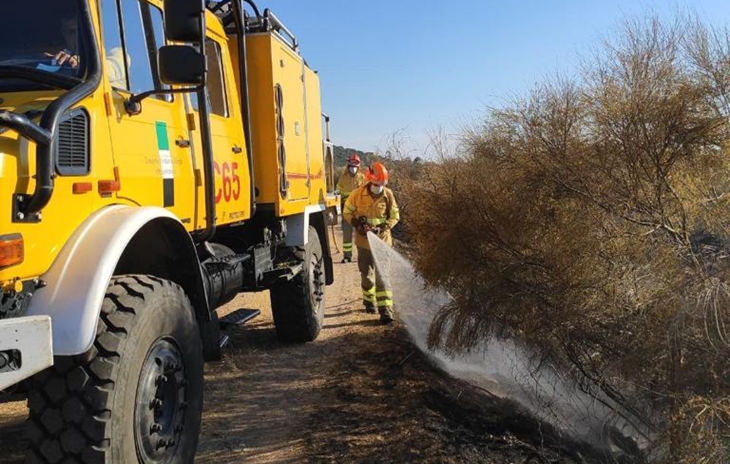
column 183, row 20
column 181, row 65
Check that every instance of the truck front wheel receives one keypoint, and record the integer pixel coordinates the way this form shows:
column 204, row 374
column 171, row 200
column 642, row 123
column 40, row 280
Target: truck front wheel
column 298, row 304
column 136, row 395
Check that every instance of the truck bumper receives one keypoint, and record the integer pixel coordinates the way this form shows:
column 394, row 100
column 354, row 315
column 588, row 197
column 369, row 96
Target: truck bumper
column 29, row 340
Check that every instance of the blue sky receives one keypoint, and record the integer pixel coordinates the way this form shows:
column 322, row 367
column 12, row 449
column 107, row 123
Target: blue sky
column 416, row 66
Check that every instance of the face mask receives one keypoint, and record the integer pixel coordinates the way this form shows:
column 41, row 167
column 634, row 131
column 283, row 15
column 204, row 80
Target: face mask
column 353, row 170
column 376, row 189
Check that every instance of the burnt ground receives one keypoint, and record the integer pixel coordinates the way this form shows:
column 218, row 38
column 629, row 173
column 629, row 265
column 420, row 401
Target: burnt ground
column 360, row 393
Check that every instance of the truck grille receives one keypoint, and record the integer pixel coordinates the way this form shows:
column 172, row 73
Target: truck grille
column 72, row 145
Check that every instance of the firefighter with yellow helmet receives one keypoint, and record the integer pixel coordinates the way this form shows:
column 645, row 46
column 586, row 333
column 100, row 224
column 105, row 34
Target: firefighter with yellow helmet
column 372, row 208
column 350, row 179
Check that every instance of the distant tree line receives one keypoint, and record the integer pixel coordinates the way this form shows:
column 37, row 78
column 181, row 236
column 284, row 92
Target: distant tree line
column 342, row 154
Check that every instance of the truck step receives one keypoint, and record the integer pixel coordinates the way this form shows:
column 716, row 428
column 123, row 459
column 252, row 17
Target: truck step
column 238, row 317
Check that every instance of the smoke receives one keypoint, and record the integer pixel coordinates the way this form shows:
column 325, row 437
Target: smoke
column 505, row 368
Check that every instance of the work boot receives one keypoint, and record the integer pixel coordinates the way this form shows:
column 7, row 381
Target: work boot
column 370, row 308
column 347, row 259
column 386, row 315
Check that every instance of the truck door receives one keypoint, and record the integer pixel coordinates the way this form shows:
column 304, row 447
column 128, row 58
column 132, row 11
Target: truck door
column 152, row 149
column 232, row 193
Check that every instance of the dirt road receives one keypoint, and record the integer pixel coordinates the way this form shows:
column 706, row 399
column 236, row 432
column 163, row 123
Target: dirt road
column 360, row 393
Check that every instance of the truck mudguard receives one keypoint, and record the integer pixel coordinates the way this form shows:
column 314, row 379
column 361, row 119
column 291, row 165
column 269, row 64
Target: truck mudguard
column 76, row 283
column 297, row 226
column 297, row 233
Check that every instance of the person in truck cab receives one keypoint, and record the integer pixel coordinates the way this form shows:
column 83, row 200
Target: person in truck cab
column 69, row 57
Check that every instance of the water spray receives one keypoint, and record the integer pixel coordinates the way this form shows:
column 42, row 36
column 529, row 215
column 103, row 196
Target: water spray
column 504, row 368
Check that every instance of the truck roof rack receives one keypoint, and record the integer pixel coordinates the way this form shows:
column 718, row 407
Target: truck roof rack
column 266, row 22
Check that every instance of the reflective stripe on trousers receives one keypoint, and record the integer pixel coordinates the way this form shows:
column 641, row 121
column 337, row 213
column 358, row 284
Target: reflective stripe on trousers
column 384, row 298
column 368, row 295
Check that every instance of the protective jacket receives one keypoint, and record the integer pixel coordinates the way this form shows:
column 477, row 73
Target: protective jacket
column 378, row 210
column 347, row 183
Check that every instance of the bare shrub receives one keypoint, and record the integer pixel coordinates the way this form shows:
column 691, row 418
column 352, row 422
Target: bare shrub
column 589, row 220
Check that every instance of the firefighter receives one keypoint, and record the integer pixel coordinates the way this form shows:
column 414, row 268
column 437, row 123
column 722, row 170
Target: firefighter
column 372, row 208
column 350, row 179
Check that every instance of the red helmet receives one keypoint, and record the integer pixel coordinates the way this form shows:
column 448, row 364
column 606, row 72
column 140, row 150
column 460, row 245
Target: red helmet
column 353, row 160
column 377, row 174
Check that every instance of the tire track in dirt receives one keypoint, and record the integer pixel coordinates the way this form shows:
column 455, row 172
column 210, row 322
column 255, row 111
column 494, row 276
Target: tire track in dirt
column 259, row 398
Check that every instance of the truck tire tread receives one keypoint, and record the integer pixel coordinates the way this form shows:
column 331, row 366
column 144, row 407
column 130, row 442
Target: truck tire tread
column 69, row 416
column 295, row 318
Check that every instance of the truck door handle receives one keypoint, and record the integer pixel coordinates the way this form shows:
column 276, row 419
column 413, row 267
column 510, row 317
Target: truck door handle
column 236, row 149
column 182, row 143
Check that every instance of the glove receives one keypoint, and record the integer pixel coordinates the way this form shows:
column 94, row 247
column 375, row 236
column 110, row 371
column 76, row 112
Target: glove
column 357, row 225
column 361, row 225
column 380, row 230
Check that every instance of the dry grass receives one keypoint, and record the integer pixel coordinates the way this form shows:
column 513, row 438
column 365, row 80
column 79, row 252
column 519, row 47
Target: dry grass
column 590, row 220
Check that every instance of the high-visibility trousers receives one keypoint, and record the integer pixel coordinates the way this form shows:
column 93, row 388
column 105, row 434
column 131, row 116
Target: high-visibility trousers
column 346, row 238
column 375, row 286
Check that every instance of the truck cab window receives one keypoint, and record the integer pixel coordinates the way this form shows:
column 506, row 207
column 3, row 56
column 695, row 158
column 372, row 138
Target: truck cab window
column 114, row 65
column 217, row 94
column 47, row 41
column 139, row 41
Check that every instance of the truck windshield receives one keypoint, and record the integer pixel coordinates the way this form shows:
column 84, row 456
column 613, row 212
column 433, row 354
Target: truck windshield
column 40, row 38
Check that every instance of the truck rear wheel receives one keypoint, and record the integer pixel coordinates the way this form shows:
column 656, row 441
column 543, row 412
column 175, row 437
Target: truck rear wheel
column 136, row 395
column 298, row 304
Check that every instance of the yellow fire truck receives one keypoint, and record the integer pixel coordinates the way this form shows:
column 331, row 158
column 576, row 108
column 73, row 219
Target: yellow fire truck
column 156, row 159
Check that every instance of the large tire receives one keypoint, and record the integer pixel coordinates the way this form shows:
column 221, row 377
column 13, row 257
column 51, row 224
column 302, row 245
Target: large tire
column 136, row 395
column 298, row 304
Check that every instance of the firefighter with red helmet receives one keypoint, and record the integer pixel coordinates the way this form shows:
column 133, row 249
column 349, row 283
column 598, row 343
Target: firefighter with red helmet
column 372, row 208
column 350, row 179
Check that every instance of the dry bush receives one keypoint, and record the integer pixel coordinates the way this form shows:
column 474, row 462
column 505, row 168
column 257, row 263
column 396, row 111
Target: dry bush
column 402, row 167
column 589, row 220
column 706, row 421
